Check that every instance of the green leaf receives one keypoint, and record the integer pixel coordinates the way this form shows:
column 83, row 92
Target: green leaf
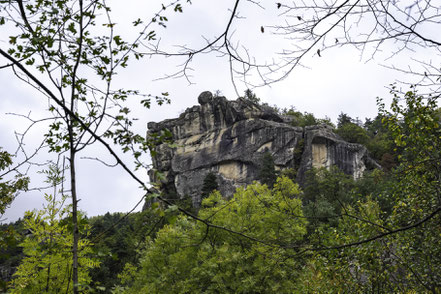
column 12, row 40
column 178, row 8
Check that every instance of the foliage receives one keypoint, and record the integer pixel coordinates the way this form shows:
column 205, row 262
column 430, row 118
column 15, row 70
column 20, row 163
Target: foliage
column 415, row 127
column 47, row 266
column 300, row 119
column 353, row 133
column 350, row 131
column 365, row 268
column 267, row 170
column 373, row 134
column 376, row 234
column 381, row 145
column 250, row 96
column 290, row 173
column 386, row 248
column 71, row 53
column 117, row 240
column 326, row 192
column 11, row 254
column 209, row 185
column 188, row 257
column 378, row 185
column 343, row 119
column 9, row 188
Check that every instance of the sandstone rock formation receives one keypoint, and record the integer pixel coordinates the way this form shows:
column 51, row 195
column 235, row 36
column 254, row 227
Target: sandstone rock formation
column 229, row 138
column 324, row 148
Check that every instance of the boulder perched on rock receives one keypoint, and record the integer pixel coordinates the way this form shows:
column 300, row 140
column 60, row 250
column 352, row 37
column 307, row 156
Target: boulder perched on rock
column 229, row 139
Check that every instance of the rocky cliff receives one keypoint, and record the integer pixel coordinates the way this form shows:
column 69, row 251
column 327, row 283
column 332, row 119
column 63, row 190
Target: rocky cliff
column 229, row 138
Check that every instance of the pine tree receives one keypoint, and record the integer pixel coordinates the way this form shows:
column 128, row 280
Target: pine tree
column 249, row 95
column 209, row 185
column 267, row 173
column 343, row 119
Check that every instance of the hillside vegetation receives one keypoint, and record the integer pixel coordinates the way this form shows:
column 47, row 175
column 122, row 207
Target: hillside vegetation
column 377, row 234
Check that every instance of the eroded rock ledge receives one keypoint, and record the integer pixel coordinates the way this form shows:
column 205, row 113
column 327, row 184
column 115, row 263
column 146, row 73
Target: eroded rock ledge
column 229, row 138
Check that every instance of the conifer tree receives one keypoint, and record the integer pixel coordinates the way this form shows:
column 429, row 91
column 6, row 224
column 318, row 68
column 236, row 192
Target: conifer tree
column 210, row 184
column 249, row 95
column 267, row 173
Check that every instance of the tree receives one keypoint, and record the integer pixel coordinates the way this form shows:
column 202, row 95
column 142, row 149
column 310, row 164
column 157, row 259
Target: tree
column 267, row 171
column 250, row 96
column 10, row 188
column 11, row 254
column 385, row 250
column 381, row 145
column 353, row 133
column 326, row 193
column 57, row 41
column 115, row 248
column 415, row 127
column 188, row 257
column 343, row 119
column 367, row 268
column 373, row 27
column 59, row 50
column 300, row 119
column 209, row 185
column 118, row 246
column 47, row 265
column 378, row 29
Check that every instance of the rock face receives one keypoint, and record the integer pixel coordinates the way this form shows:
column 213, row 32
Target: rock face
column 324, row 148
column 229, row 138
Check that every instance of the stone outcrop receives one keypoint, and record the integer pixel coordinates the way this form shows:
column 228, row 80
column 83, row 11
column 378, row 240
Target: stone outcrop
column 229, row 138
column 324, row 148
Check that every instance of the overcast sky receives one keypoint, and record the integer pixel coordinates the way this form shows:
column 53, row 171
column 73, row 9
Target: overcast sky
column 341, row 80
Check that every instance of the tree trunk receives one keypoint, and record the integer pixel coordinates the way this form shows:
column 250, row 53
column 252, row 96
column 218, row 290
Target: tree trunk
column 74, row 210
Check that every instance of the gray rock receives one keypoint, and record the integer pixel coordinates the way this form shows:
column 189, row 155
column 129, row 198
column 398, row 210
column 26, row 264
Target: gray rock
column 205, row 97
column 324, row 148
column 229, row 138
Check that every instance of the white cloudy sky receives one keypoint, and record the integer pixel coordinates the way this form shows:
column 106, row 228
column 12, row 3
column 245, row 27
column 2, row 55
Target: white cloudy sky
column 340, row 81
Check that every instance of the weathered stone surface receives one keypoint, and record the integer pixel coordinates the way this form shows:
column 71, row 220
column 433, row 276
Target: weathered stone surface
column 229, row 138
column 324, row 148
